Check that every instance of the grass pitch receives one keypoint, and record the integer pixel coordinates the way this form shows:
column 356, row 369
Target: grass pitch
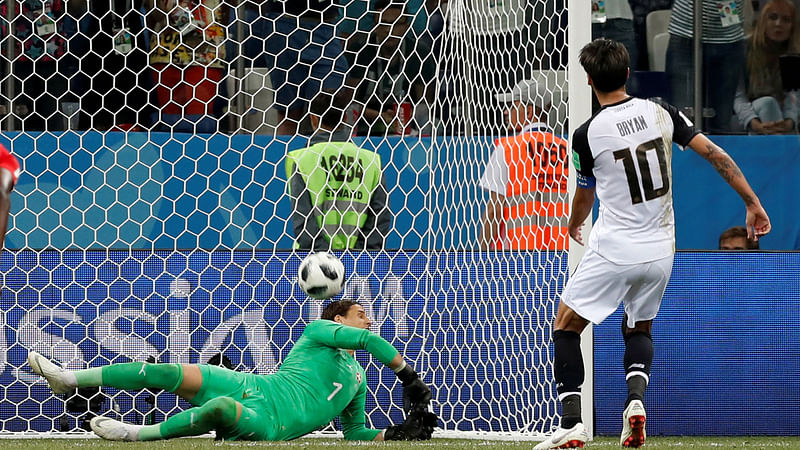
column 682, row 442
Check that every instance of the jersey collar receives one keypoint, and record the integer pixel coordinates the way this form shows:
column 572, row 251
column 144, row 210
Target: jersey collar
column 611, row 105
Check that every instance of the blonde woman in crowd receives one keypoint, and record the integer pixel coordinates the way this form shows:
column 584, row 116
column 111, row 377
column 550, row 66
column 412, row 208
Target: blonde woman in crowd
column 763, row 104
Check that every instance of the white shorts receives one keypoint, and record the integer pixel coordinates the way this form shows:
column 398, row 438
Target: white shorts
column 598, row 286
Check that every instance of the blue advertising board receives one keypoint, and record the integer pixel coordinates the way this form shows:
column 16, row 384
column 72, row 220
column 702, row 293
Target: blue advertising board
column 726, row 350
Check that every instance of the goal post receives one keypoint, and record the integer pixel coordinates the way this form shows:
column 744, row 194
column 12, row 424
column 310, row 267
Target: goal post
column 580, row 101
column 157, row 225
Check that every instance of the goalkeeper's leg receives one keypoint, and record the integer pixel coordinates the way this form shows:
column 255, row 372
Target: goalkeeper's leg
column 183, row 379
column 221, row 414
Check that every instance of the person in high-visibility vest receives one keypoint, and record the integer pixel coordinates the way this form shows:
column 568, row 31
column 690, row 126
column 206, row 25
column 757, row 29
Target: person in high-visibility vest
column 526, row 177
column 338, row 190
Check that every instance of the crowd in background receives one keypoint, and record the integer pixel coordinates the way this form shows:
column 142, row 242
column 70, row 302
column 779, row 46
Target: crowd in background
column 743, row 86
column 163, row 64
column 168, row 64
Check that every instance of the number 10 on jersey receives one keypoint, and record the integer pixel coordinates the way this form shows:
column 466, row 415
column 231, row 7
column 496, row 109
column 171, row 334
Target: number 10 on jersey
column 647, row 184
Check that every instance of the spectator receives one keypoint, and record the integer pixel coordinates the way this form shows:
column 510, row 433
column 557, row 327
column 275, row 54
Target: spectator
column 762, row 104
column 389, row 75
column 550, row 18
column 735, row 238
column 527, row 207
column 41, row 66
column 613, row 19
column 723, row 58
column 338, row 191
column 355, row 27
column 435, row 10
column 187, row 58
column 298, row 42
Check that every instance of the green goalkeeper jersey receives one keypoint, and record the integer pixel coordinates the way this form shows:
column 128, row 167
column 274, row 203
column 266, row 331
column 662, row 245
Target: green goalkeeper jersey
column 320, row 380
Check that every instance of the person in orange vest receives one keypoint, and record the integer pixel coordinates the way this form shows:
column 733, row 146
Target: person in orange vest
column 526, row 177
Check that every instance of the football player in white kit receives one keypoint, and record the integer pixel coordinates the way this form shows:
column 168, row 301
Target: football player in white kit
column 623, row 155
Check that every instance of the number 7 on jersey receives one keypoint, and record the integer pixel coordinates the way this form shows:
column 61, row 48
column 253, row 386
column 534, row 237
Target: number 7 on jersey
column 337, row 387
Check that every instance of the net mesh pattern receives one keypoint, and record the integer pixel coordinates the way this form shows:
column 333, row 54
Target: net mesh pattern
column 152, row 220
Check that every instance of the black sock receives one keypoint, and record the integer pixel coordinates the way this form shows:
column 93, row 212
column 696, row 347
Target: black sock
column 636, row 388
column 638, row 359
column 568, row 370
column 570, row 410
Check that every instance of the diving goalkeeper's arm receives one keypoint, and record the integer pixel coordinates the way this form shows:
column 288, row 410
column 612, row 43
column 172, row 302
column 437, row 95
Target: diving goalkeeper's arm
column 416, row 394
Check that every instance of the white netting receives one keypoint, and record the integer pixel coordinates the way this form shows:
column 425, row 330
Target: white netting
column 152, row 217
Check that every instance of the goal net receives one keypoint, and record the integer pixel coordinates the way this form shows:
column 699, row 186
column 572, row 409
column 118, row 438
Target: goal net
column 152, row 221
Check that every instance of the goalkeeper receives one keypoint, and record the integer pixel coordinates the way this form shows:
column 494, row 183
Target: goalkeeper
column 319, row 380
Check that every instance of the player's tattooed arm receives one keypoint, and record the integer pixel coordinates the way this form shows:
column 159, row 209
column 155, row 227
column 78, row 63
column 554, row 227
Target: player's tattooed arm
column 725, row 166
column 722, row 162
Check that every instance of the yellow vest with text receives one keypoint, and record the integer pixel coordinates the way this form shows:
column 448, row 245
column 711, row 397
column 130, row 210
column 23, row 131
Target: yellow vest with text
column 340, row 178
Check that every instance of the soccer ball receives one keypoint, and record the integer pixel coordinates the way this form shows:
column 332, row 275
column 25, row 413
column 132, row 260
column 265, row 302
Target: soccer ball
column 321, row 275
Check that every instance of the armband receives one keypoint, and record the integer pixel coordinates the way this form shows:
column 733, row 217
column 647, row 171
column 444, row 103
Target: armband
column 584, row 181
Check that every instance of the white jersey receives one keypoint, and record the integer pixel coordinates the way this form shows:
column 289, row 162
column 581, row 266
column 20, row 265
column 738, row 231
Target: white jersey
column 626, row 149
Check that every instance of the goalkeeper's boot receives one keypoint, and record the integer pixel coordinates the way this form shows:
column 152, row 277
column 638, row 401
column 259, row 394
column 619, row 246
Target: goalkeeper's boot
column 60, row 380
column 114, row 430
column 574, row 437
column 633, row 422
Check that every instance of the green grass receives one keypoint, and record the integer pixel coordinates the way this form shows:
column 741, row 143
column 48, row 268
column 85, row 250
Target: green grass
column 682, row 442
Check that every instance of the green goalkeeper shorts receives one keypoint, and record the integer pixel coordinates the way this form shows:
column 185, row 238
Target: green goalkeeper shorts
column 258, row 420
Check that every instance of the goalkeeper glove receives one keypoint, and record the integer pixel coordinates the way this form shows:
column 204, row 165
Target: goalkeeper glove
column 418, row 426
column 415, row 391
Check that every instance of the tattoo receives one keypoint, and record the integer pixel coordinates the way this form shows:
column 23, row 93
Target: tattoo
column 723, row 163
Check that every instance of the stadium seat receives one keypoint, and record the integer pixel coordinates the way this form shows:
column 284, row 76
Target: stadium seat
column 657, row 22
column 658, row 53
